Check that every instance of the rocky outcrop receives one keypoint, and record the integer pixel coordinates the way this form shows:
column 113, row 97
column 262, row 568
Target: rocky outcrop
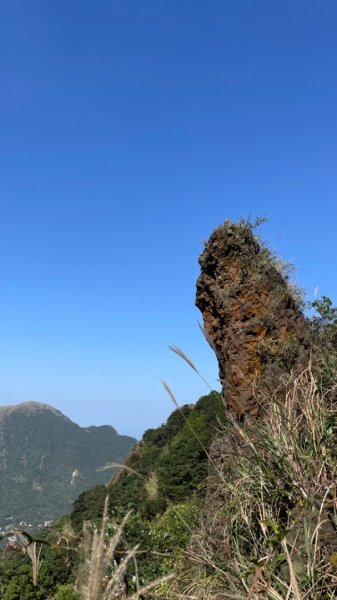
column 251, row 318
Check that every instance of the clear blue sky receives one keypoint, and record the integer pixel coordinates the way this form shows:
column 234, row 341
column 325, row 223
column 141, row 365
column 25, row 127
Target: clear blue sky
column 129, row 130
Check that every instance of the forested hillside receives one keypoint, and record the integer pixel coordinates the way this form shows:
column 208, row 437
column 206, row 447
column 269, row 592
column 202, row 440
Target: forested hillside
column 46, row 460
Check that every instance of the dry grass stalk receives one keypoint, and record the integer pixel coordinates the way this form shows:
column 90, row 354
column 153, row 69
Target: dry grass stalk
column 94, row 582
column 33, row 550
column 34, row 554
column 188, row 361
column 98, row 554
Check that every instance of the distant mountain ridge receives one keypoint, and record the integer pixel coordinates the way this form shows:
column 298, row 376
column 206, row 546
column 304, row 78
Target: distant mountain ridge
column 46, row 460
column 29, row 406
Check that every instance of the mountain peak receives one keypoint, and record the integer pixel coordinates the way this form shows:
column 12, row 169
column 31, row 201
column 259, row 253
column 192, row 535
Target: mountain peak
column 29, row 406
column 40, row 450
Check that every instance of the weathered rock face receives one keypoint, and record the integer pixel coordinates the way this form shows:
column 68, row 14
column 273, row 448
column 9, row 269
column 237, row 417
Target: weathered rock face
column 250, row 316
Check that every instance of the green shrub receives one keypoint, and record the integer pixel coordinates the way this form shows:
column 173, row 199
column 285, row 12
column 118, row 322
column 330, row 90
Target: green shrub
column 66, row 592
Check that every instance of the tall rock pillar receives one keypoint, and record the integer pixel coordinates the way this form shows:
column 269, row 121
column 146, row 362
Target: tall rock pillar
column 250, row 316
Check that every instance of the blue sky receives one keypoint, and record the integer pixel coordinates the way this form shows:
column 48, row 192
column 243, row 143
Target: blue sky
column 128, row 131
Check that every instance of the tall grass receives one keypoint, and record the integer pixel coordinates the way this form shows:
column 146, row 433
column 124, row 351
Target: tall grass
column 271, row 526
column 101, row 576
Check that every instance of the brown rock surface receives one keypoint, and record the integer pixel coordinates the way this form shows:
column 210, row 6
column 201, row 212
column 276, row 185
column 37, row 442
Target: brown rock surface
column 251, row 318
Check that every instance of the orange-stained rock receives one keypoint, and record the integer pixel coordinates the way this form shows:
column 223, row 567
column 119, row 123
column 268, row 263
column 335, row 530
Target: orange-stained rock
column 251, row 318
